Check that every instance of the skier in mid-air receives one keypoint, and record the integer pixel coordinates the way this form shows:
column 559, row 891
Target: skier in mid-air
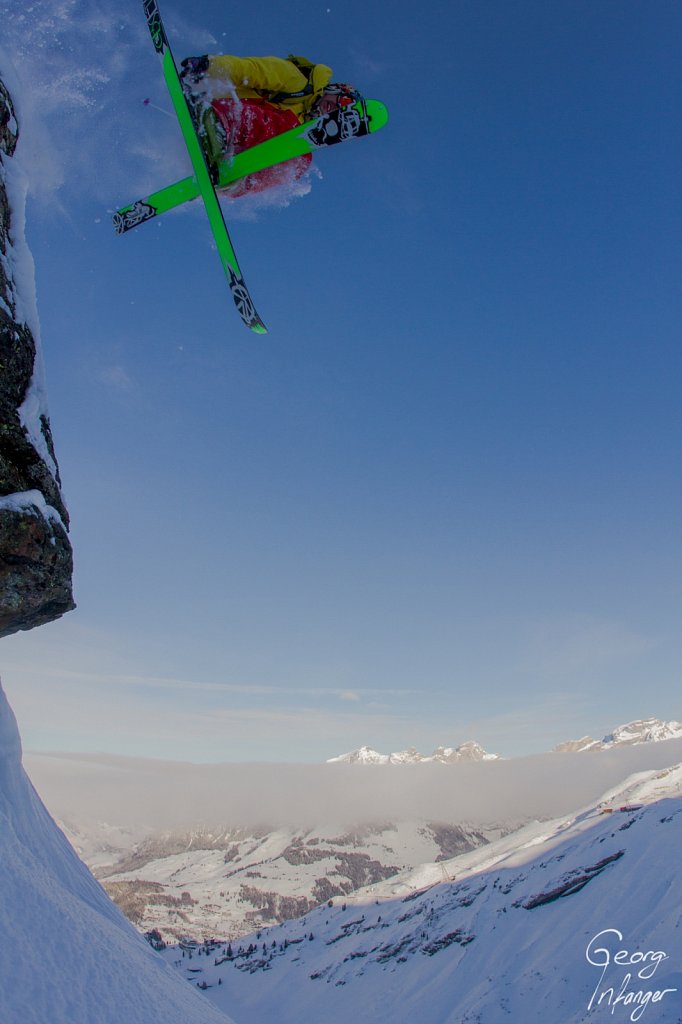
column 250, row 99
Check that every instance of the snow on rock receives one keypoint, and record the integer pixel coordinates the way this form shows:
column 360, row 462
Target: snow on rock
column 35, row 553
column 68, row 954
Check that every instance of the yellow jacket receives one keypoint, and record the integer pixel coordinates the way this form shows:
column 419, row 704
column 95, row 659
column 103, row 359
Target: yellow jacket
column 267, row 77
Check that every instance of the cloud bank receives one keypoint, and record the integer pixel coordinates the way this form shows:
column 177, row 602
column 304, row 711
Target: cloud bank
column 171, row 795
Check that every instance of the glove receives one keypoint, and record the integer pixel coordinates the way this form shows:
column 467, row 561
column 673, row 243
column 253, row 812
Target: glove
column 194, row 69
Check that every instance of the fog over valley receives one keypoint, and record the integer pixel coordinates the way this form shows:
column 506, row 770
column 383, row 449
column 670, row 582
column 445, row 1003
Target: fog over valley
column 147, row 794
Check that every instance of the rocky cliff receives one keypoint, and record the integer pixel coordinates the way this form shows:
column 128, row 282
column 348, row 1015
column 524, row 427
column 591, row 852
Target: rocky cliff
column 35, row 552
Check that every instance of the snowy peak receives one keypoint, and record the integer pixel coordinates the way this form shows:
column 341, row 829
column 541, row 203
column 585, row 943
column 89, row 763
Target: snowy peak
column 577, row 746
column 647, row 730
column 643, row 730
column 363, row 755
column 469, row 751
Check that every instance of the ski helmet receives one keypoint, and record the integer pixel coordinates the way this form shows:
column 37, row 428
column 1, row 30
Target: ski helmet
column 343, row 94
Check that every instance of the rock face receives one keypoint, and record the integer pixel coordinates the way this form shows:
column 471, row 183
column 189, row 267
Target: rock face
column 35, row 554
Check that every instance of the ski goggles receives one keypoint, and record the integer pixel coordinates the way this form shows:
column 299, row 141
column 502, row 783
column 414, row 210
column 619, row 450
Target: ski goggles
column 345, row 94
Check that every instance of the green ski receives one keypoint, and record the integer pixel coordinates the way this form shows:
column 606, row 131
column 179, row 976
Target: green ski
column 363, row 118
column 202, row 175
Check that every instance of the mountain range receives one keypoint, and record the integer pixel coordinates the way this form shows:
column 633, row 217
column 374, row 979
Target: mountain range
column 645, row 730
column 469, row 751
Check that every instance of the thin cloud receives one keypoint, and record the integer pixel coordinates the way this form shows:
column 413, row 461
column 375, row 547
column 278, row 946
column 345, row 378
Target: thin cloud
column 117, row 680
column 572, row 644
column 223, row 729
column 529, row 721
column 80, row 65
column 116, row 377
column 368, row 68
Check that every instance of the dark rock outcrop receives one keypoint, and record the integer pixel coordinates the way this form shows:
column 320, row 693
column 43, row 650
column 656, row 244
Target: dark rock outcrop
column 35, row 553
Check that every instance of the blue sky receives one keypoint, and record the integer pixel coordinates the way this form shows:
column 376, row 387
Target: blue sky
column 441, row 499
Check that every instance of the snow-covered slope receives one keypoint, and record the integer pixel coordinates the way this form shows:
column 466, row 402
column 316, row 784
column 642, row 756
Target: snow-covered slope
column 68, row 954
column 227, row 882
column 567, row 921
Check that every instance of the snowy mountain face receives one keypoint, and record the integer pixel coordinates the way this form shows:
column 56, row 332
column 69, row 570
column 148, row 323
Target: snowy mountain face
column 469, row 751
column 227, row 882
column 68, row 953
column 571, row 920
column 647, row 730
